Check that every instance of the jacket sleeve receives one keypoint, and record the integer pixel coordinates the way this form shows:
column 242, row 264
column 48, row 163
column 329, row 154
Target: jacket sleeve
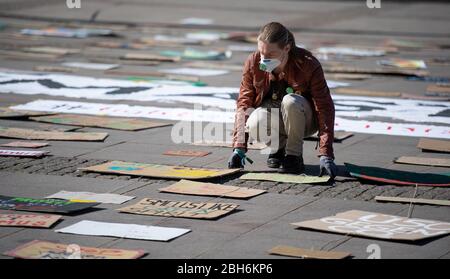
column 324, row 107
column 245, row 102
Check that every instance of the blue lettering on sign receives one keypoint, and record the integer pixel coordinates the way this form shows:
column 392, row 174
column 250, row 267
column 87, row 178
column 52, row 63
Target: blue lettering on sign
column 119, row 168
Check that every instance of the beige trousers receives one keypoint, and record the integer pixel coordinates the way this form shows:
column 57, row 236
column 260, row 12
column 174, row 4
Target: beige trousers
column 284, row 127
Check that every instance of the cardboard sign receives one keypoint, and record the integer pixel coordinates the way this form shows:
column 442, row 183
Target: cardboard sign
column 286, row 178
column 151, row 57
column 357, row 70
column 160, row 171
column 11, row 113
column 377, row 225
column 411, row 160
column 127, row 124
column 410, row 200
column 25, row 144
column 186, row 209
column 52, row 50
column 22, row 153
column 88, row 196
column 19, row 133
column 43, row 205
column 187, row 187
column 28, row 220
column 306, row 253
column 396, row 177
column 434, row 145
column 364, row 92
column 90, row 66
column 188, row 153
column 124, row 230
column 38, row 249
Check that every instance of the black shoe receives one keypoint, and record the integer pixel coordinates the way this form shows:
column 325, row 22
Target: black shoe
column 292, row 164
column 275, row 159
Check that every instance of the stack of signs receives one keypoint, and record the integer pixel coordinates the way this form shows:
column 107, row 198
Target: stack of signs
column 398, row 177
column 127, row 124
column 187, row 187
column 43, row 205
column 124, row 230
column 28, row 220
column 306, row 253
column 160, row 171
column 68, row 32
column 434, row 145
column 377, row 225
column 186, row 209
column 22, row 153
column 38, row 249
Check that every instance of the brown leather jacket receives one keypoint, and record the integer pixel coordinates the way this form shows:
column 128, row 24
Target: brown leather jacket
column 304, row 74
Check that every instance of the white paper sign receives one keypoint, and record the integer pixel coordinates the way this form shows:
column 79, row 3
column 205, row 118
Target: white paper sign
column 132, row 231
column 22, row 153
column 88, row 196
column 130, row 111
column 91, row 66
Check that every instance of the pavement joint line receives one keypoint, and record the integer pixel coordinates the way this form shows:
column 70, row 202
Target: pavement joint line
column 100, row 149
column 257, row 227
column 12, row 233
column 440, row 257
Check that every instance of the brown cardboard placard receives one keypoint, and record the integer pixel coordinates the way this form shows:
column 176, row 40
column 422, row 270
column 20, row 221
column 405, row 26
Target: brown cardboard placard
column 148, row 56
column 21, row 55
column 28, row 220
column 438, row 89
column 187, row 187
column 38, row 249
column 126, row 124
column 51, row 50
column 411, row 200
column 285, row 178
column 25, row 144
column 59, row 69
column 412, row 160
column 188, row 153
column 11, row 113
column 378, row 71
column 434, row 145
column 377, row 225
column 213, row 65
column 19, row 133
column 307, row 253
column 186, row 209
column 160, row 171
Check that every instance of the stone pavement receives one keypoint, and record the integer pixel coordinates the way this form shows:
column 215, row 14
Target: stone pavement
column 264, row 221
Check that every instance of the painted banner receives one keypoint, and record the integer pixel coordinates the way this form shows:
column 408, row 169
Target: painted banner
column 22, row 153
column 377, row 225
column 286, row 178
column 28, row 220
column 396, row 177
column 43, row 205
column 38, row 249
column 187, row 187
column 127, row 124
column 186, row 209
column 160, row 171
column 131, row 231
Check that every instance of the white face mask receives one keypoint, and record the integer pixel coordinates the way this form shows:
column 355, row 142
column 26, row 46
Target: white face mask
column 268, row 65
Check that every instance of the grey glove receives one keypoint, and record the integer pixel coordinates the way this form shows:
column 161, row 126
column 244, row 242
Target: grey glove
column 327, row 165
